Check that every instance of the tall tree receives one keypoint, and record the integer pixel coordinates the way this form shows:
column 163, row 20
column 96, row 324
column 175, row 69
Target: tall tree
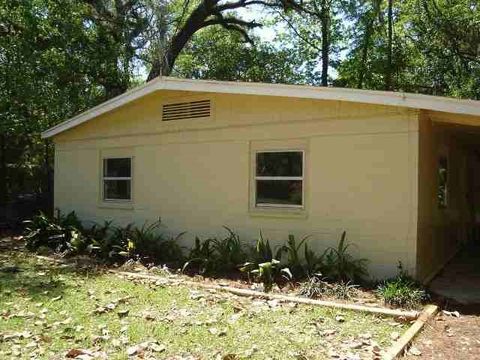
column 388, row 73
column 216, row 53
column 56, row 59
column 324, row 13
column 198, row 15
column 120, row 26
column 315, row 32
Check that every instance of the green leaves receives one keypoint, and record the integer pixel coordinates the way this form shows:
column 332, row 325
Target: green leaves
column 339, row 264
column 435, row 47
column 215, row 53
column 216, row 256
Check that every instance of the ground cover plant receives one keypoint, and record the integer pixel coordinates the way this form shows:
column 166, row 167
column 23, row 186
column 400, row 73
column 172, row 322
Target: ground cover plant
column 402, row 291
column 316, row 287
column 51, row 310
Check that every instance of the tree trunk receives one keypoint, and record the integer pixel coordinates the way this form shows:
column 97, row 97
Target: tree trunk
column 388, row 75
column 163, row 65
column 3, row 169
column 325, row 19
column 366, row 46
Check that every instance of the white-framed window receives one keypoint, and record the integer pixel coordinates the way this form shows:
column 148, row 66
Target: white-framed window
column 117, row 179
column 279, row 178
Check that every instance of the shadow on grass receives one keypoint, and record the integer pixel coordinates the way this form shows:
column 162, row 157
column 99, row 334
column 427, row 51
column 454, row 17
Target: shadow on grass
column 23, row 274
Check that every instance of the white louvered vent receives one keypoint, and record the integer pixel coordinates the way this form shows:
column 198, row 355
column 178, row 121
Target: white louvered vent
column 186, row 110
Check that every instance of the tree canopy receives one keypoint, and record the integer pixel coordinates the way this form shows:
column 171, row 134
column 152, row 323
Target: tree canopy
column 60, row 58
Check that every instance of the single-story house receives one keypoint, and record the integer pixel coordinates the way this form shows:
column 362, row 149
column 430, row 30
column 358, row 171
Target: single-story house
column 399, row 172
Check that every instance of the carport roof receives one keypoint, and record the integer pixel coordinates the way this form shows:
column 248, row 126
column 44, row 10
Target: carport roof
column 400, row 99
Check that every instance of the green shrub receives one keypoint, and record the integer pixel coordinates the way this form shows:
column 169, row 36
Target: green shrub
column 260, row 253
column 316, row 287
column 216, row 256
column 201, row 257
column 292, row 250
column 339, row 265
column 263, row 266
column 268, row 272
column 313, row 263
column 229, row 251
column 111, row 244
column 62, row 234
column 148, row 243
column 402, row 291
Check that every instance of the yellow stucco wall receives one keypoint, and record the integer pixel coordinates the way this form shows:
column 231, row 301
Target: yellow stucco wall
column 360, row 171
column 440, row 230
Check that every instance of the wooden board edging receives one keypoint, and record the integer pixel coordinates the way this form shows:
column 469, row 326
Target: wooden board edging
column 407, row 315
column 398, row 348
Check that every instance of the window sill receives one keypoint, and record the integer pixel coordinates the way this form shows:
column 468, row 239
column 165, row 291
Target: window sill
column 126, row 205
column 280, row 213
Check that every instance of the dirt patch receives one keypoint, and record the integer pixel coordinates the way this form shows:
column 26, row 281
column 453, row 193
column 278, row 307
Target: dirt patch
column 448, row 337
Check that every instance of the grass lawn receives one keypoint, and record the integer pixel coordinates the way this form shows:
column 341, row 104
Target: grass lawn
column 49, row 311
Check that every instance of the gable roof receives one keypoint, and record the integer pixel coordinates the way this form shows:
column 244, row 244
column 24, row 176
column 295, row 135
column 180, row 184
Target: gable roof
column 415, row 101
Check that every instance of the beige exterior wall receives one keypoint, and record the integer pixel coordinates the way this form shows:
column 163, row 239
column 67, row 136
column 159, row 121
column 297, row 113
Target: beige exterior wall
column 360, row 171
column 440, row 230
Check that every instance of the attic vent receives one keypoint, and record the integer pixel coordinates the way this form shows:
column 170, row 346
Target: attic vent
column 186, row 110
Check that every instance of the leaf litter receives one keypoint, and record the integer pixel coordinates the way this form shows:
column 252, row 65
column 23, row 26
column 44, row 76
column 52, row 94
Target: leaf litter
column 151, row 319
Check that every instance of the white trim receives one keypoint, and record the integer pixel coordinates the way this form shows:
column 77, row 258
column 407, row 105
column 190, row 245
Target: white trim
column 116, row 178
column 278, row 206
column 120, row 178
column 415, row 101
column 278, row 178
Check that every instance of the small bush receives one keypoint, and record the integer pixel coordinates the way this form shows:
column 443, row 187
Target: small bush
column 216, row 256
column 402, row 291
column 339, row 265
column 148, row 243
column 263, row 266
column 61, row 234
column 268, row 272
column 313, row 263
column 229, row 251
column 200, row 258
column 260, row 253
column 292, row 250
column 110, row 244
column 316, row 287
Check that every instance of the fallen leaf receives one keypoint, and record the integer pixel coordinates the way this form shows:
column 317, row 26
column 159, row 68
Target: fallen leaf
column 394, row 335
column 157, row 347
column 414, row 351
column 135, row 350
column 451, row 313
column 213, row 331
column 328, row 332
column 123, row 313
column 73, row 353
column 230, row 357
